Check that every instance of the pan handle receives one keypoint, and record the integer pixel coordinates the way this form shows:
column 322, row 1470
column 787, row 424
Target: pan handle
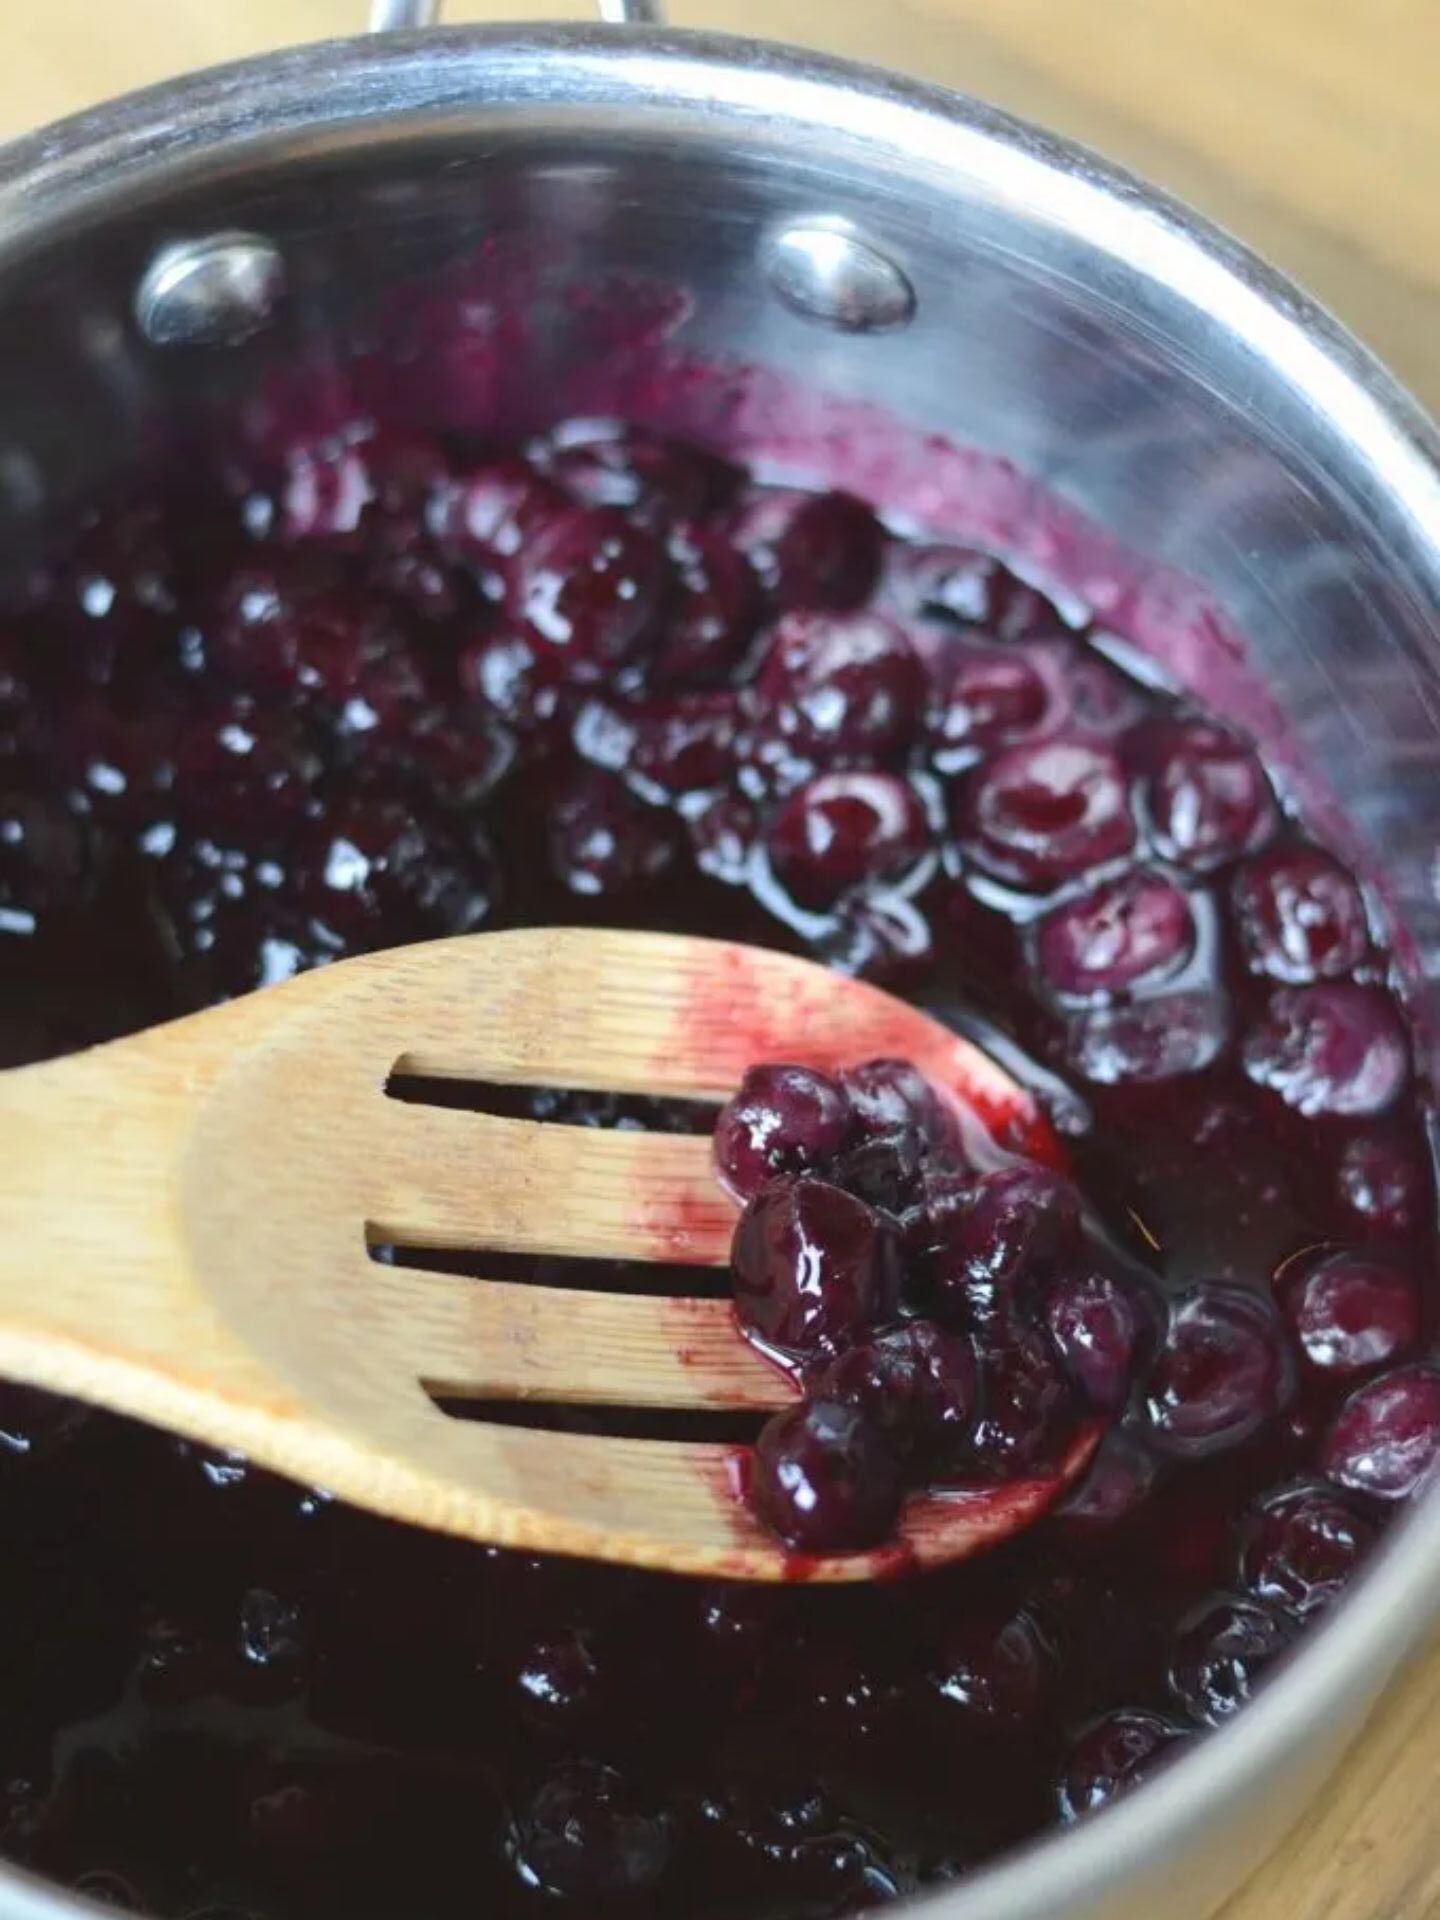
column 388, row 15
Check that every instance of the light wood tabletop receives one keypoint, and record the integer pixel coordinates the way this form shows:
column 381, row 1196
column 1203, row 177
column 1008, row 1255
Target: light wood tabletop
column 1309, row 127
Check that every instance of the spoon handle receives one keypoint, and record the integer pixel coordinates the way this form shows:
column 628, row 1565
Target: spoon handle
column 97, row 1294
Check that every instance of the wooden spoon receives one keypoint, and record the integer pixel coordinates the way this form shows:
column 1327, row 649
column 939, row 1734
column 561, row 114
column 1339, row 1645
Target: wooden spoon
column 188, row 1221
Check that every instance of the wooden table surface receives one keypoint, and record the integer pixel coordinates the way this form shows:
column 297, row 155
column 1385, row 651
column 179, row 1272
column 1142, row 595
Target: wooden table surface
column 1310, row 127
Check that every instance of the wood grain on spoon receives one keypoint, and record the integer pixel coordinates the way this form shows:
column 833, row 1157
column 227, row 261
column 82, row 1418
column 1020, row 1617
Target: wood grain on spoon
column 190, row 1216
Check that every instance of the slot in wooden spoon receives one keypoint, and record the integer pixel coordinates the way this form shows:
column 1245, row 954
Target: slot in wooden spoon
column 188, row 1221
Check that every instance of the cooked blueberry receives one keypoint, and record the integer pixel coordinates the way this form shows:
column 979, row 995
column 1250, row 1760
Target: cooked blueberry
column 983, row 697
column 679, row 745
column 843, row 830
column 883, row 1169
column 1117, row 1753
column 829, row 1691
column 1160, row 1037
column 843, row 685
column 784, row 1119
column 1015, row 1226
column 1206, row 795
column 1135, row 929
column 708, row 621
column 1300, row 916
column 47, row 859
column 1349, row 1313
column 738, row 1622
column 237, row 766
column 1385, row 1440
column 588, row 587
column 518, row 680
column 1301, row 1547
column 1116, row 1486
column 490, row 512
column 1335, row 1049
column 383, row 862
column 467, row 754
column 125, row 567
column 884, row 937
column 1381, row 1182
column 1036, row 815
column 826, row 1478
column 334, row 485
column 918, row 1381
column 106, row 1887
column 1220, row 1374
column 33, row 1423
column 287, row 623
column 886, row 1094
column 811, row 550
column 123, row 766
column 557, row 1680
column 1097, row 1325
column 588, row 1833
column 989, row 1673
column 1098, row 700
column 273, row 1632
column 605, row 843
column 180, row 1662
column 1220, row 1652
column 723, row 831
column 650, row 476
column 1027, row 1407
column 792, row 1838
column 926, row 1225
column 813, row 1268
column 975, row 589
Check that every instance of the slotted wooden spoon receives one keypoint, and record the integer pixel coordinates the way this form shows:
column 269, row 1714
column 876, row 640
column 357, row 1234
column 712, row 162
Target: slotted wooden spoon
column 188, row 1217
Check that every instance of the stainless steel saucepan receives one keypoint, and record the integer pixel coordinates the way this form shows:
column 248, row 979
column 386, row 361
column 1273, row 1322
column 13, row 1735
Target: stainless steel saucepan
column 835, row 268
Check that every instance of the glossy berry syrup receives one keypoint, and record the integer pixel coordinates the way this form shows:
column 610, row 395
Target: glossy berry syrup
column 388, row 689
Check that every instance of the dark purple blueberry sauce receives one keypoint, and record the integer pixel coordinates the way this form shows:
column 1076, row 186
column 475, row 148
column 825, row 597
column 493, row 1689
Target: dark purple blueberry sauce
column 389, row 689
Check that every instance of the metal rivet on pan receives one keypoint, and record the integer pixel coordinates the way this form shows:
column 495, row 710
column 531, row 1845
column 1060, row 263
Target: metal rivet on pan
column 824, row 268
column 211, row 291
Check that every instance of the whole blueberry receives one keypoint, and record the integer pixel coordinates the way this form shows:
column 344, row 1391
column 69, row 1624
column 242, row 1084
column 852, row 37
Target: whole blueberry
column 1097, row 1324
column 845, row 830
column 1301, row 1546
column 812, row 1267
column 843, row 685
column 784, row 1119
column 1300, row 916
column 1334, row 1049
column 918, row 1381
column 1206, row 795
column 826, row 1478
column 1220, row 1373
column 1350, row 1312
column 587, row 1833
column 810, row 550
column 1385, row 1440
column 1221, row 1649
column 1040, row 813
column 1113, row 1756
column 1017, row 1225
